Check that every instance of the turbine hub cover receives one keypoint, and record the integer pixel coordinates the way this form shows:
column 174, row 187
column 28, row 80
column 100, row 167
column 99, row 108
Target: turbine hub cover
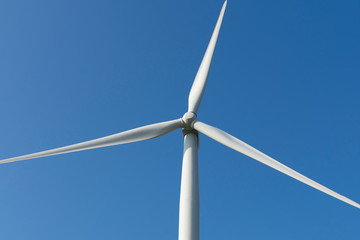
column 188, row 119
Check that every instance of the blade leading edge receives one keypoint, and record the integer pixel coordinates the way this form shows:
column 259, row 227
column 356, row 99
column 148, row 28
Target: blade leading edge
column 198, row 87
column 240, row 146
column 134, row 135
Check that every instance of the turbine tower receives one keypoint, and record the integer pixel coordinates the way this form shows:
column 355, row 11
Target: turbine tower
column 189, row 195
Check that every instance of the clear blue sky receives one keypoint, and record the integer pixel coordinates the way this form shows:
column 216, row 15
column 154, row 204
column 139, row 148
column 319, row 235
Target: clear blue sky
column 285, row 79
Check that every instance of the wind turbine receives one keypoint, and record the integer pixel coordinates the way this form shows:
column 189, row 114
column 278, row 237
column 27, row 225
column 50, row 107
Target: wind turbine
column 189, row 195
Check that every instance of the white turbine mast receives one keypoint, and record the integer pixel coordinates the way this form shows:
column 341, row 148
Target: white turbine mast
column 189, row 195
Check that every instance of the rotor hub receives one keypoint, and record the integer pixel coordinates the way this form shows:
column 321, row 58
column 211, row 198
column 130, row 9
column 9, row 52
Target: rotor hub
column 188, row 119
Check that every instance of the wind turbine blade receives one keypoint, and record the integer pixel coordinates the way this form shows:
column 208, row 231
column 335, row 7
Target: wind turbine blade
column 198, row 87
column 240, row 146
column 134, row 135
